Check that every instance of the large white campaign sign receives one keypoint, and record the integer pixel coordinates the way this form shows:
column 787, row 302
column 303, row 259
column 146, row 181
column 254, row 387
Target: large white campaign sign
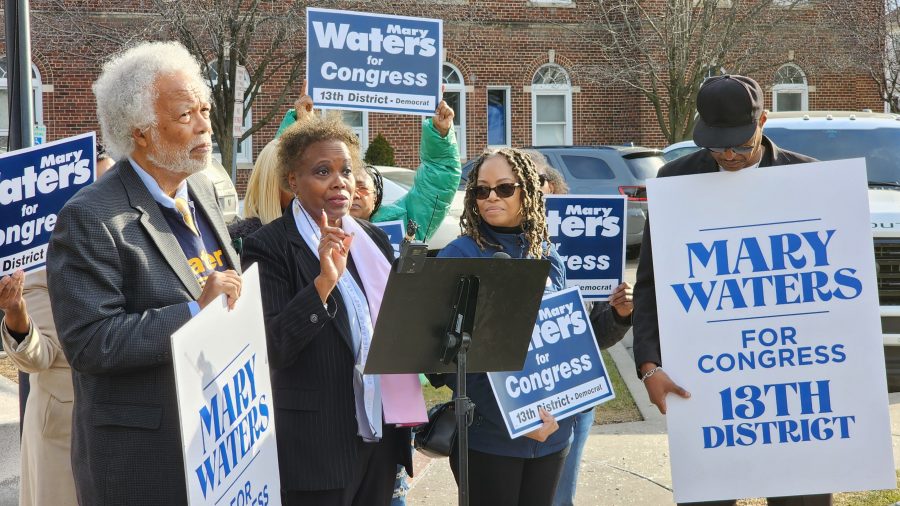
column 225, row 403
column 768, row 316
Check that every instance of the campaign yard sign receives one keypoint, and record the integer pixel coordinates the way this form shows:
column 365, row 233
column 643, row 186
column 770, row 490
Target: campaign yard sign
column 768, row 316
column 395, row 232
column 35, row 183
column 564, row 372
column 373, row 62
column 588, row 232
column 225, row 403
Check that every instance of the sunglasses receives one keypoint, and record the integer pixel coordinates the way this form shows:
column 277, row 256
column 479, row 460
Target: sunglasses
column 504, row 190
column 542, row 179
column 740, row 150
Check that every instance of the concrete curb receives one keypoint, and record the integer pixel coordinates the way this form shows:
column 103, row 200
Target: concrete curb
column 625, row 364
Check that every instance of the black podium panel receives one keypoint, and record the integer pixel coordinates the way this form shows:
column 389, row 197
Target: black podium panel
column 412, row 323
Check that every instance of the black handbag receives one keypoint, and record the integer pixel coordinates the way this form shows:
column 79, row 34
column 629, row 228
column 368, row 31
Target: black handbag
column 437, row 438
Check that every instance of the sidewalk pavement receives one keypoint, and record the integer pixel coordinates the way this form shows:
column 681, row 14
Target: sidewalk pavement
column 624, row 464
column 9, row 442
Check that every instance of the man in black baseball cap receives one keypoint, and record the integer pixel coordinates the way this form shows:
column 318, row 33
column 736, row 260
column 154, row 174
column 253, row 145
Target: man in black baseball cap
column 729, row 127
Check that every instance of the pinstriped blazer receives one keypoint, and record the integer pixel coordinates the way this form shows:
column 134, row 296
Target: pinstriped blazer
column 119, row 285
column 311, row 360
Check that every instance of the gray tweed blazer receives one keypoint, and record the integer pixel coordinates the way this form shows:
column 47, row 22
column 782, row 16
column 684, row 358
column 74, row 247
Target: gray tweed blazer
column 120, row 285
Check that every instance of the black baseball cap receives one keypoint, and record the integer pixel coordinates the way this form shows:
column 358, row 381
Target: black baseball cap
column 729, row 109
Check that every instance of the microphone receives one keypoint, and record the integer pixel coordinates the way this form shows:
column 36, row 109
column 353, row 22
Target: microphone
column 502, row 255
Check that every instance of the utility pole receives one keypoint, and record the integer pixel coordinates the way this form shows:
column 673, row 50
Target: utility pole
column 21, row 106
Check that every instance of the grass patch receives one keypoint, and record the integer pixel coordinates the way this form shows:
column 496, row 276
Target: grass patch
column 435, row 396
column 622, row 408
column 870, row 498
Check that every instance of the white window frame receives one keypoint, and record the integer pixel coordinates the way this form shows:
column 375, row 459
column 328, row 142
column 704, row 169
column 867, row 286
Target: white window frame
column 37, row 94
column 790, row 88
column 361, row 132
column 245, row 154
column 461, row 114
column 508, row 112
column 552, row 89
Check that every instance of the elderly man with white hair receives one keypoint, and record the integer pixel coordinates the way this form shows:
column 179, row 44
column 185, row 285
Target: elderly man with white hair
column 133, row 257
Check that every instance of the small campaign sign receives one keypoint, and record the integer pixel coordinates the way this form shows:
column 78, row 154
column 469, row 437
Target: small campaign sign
column 588, row 232
column 35, row 183
column 564, row 372
column 395, row 232
column 225, row 403
column 373, row 62
column 768, row 315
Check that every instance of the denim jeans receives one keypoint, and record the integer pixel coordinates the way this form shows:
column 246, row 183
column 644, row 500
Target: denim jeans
column 565, row 491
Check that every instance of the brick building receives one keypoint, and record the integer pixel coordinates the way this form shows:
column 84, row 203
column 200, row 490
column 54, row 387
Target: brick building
column 511, row 73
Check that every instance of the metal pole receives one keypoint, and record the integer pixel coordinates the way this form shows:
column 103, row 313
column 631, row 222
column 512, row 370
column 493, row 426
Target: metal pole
column 18, row 62
column 21, row 120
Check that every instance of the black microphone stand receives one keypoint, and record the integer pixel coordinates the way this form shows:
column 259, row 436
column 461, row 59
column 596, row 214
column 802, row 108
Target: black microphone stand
column 456, row 344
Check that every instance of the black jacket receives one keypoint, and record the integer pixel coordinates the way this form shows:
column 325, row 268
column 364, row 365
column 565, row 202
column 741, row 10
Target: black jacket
column 646, row 326
column 311, row 361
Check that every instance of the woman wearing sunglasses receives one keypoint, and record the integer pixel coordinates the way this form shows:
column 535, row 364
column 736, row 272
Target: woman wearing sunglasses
column 504, row 211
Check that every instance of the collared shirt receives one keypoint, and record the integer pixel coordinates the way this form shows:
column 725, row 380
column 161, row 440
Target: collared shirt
column 165, row 201
column 153, row 187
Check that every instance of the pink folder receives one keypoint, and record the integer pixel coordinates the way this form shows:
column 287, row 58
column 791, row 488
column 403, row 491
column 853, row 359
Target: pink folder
column 402, row 399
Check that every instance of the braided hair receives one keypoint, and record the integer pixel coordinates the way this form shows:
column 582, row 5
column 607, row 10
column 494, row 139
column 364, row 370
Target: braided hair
column 534, row 222
column 378, row 181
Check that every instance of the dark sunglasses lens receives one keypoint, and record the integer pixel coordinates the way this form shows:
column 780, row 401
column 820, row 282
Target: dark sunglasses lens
column 505, row 190
column 542, row 179
column 481, row 192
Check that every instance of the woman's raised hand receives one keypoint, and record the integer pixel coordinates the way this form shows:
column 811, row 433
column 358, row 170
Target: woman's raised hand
column 303, row 106
column 334, row 248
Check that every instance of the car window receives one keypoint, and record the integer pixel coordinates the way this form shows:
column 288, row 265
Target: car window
column 678, row 153
column 466, row 169
column 644, row 167
column 879, row 146
column 587, row 167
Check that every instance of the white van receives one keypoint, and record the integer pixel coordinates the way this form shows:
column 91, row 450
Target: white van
column 226, row 193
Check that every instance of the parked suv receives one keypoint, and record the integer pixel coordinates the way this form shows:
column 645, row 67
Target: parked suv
column 875, row 136
column 606, row 170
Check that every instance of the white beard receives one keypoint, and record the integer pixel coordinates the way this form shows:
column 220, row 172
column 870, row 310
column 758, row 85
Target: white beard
column 175, row 159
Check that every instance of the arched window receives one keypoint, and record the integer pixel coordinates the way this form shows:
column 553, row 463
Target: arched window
column 36, row 95
column 245, row 148
column 455, row 96
column 551, row 106
column 790, row 91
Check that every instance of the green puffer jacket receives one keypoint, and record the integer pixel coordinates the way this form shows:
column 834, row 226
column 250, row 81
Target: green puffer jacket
column 437, row 179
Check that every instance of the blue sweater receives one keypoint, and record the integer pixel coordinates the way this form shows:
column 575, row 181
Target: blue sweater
column 487, row 433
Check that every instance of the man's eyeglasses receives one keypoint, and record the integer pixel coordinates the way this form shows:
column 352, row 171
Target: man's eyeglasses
column 503, row 190
column 740, row 150
column 542, row 179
